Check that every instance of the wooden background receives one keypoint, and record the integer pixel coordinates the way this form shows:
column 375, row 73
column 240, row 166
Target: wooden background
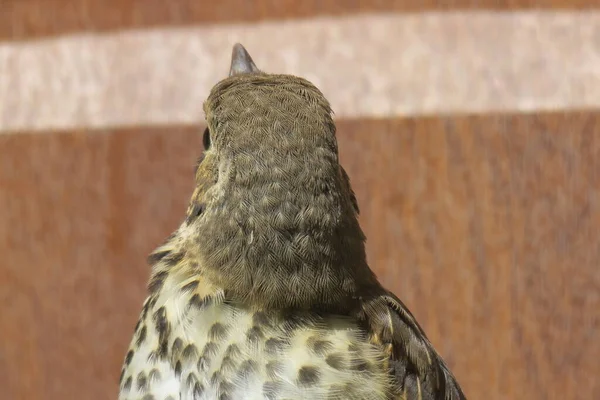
column 486, row 226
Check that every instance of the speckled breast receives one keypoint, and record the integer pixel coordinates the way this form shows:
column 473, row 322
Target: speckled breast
column 193, row 345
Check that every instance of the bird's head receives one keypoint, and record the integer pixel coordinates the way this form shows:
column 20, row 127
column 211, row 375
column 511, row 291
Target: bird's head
column 273, row 217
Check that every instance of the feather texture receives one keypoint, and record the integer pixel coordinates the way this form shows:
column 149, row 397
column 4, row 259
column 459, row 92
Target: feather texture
column 264, row 291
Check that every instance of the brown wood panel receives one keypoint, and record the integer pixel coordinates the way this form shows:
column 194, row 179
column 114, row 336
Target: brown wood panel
column 78, row 215
column 26, row 19
column 486, row 226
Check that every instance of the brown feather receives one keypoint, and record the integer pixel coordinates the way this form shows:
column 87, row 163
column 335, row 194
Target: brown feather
column 418, row 371
column 273, row 221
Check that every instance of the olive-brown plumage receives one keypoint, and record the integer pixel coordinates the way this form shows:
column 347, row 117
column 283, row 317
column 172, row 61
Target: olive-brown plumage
column 264, row 291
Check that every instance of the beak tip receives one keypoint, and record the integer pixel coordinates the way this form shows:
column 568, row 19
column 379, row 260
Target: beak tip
column 241, row 62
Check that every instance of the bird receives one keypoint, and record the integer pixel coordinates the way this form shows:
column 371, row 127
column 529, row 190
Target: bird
column 264, row 290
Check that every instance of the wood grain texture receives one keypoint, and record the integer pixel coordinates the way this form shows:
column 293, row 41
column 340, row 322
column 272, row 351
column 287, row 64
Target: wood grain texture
column 485, row 226
column 27, row 19
column 78, row 216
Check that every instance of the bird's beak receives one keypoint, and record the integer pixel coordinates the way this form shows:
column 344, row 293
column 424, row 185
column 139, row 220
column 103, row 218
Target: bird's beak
column 241, row 62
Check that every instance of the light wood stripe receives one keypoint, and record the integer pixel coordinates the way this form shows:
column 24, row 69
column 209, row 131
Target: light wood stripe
column 401, row 65
column 22, row 20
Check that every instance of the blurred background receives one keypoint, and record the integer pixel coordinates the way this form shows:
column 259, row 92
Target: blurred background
column 470, row 131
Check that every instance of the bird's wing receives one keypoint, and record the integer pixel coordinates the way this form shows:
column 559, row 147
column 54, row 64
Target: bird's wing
column 418, row 372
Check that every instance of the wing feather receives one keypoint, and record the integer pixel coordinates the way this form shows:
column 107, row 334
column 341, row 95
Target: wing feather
column 418, row 372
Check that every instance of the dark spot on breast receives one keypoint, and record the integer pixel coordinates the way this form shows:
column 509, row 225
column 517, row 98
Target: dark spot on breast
column 254, row 335
column 189, row 353
column 178, row 369
column 148, row 397
column 274, row 345
column 176, row 348
column 141, row 336
column 195, row 211
column 336, row 361
column 318, row 346
column 190, row 286
column 260, row 319
column 233, row 351
column 225, row 388
column 142, row 382
column 308, row 376
column 227, row 365
column 217, row 332
column 173, row 258
column 154, row 375
column 216, row 378
column 201, row 302
column 210, row 350
column 155, row 257
column 198, row 390
column 128, row 357
column 247, row 368
column 152, row 301
column 203, row 364
column 191, row 380
column 339, row 392
column 273, row 368
column 163, row 328
column 157, row 281
column 160, row 319
column 353, row 348
column 127, row 384
column 145, row 310
column 361, row 365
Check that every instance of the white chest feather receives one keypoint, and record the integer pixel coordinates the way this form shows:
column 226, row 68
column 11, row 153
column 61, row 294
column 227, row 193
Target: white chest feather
column 194, row 346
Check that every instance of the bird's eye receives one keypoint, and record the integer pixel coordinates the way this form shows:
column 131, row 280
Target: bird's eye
column 206, row 139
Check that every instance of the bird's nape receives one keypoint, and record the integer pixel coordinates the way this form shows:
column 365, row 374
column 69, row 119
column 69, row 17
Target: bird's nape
column 264, row 290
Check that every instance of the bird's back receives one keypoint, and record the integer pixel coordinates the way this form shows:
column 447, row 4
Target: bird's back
column 191, row 344
column 264, row 290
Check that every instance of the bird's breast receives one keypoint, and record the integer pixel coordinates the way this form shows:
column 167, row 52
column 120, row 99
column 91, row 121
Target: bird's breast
column 194, row 345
